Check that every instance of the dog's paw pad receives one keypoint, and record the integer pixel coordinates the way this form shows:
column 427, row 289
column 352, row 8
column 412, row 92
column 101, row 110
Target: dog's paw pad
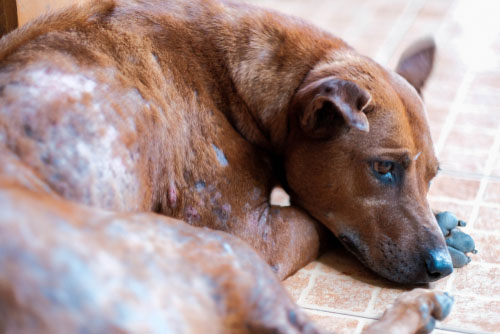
column 459, row 244
column 458, row 258
column 442, row 304
column 448, row 221
column 429, row 327
column 445, row 302
column 460, row 241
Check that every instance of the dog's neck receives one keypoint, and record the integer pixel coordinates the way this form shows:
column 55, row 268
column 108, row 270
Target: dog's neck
column 252, row 64
column 267, row 63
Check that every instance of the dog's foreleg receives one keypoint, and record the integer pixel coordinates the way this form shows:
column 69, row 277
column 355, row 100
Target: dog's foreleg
column 414, row 312
column 287, row 238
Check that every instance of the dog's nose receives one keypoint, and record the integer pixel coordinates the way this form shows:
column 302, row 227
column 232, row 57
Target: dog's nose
column 438, row 263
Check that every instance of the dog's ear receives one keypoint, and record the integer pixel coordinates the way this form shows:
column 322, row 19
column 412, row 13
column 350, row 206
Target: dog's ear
column 330, row 105
column 415, row 64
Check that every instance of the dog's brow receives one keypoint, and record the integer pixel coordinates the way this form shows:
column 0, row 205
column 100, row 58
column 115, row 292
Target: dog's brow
column 395, row 153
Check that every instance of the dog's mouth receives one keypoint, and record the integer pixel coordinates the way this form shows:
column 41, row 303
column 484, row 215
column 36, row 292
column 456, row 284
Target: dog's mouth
column 350, row 245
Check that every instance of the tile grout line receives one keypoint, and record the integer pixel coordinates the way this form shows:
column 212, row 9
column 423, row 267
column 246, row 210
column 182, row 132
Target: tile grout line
column 453, row 329
column 364, row 317
column 484, row 181
column 457, row 201
column 486, row 91
column 446, row 18
column 466, row 150
column 470, row 175
column 454, row 110
column 360, row 327
column 373, row 299
column 473, row 295
column 346, row 313
column 460, row 92
column 369, row 308
column 312, row 280
column 398, row 31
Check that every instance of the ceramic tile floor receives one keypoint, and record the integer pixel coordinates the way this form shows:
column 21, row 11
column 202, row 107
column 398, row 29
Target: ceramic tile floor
column 463, row 99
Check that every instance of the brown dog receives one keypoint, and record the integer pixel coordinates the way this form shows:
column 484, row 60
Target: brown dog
column 195, row 110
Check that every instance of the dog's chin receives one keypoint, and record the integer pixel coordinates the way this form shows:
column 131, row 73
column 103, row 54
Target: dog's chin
column 396, row 274
column 399, row 274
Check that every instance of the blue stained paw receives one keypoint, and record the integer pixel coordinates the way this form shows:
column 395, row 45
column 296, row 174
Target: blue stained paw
column 446, row 302
column 442, row 309
column 429, row 327
column 459, row 243
column 458, row 258
column 446, row 221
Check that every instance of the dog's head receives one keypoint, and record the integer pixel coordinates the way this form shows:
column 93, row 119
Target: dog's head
column 360, row 159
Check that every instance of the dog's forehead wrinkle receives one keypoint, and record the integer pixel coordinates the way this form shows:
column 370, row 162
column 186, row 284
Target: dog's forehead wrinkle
column 390, row 152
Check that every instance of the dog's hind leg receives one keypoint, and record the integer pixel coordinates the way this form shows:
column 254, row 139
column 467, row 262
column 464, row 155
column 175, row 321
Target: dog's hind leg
column 287, row 237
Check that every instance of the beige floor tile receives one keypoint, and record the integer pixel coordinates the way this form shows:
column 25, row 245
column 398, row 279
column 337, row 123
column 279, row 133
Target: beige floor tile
column 488, row 220
column 477, row 116
column 492, row 192
column 297, row 283
column 478, row 279
column 474, row 314
column 334, row 323
column 469, row 139
column 456, row 160
column 454, row 187
column 488, row 246
column 462, row 211
column 339, row 293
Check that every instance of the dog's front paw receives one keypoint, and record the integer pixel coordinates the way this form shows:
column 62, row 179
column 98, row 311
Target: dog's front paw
column 431, row 306
column 413, row 312
column 459, row 243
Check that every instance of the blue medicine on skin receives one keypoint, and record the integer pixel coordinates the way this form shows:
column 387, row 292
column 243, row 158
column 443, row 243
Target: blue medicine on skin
column 220, row 156
column 200, row 185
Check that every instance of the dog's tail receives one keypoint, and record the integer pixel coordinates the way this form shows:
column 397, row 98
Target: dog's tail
column 67, row 18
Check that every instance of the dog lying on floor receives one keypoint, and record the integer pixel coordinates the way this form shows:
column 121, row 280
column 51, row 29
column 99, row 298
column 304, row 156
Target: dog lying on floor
column 120, row 117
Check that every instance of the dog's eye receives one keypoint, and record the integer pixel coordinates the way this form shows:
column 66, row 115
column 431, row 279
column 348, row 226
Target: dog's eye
column 384, row 171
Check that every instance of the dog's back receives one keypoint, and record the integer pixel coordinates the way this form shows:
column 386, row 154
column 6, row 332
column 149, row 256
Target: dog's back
column 85, row 100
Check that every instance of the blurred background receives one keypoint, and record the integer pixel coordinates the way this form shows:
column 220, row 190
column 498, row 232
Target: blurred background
column 463, row 102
